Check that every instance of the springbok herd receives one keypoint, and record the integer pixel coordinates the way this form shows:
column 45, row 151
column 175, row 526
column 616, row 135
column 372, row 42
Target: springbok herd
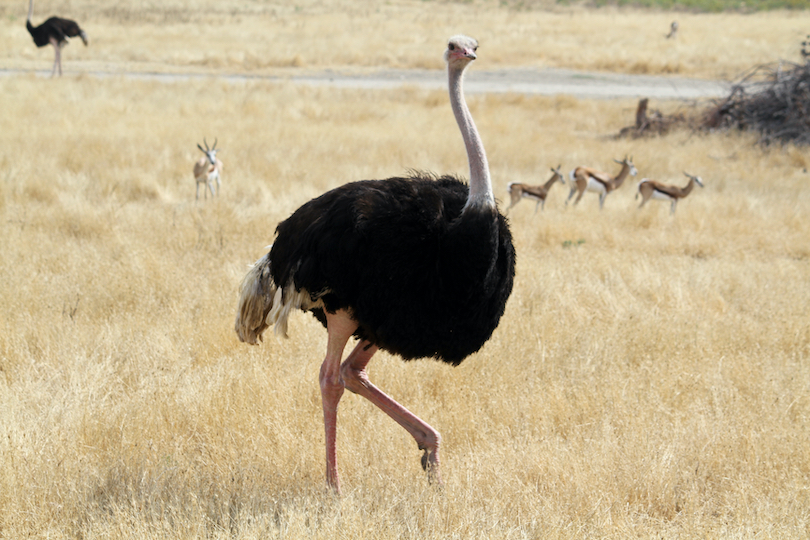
column 208, row 169
column 587, row 179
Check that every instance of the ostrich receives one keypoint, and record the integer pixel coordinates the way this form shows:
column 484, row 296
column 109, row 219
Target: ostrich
column 54, row 31
column 420, row 267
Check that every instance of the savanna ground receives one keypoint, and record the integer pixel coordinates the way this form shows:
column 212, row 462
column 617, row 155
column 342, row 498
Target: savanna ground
column 651, row 375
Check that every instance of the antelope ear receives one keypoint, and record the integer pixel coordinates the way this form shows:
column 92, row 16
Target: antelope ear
column 619, row 162
column 687, row 174
column 201, row 148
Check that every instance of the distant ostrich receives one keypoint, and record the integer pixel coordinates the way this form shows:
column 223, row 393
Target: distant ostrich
column 673, row 30
column 55, row 31
column 518, row 191
column 587, row 179
column 208, row 170
column 419, row 266
column 650, row 189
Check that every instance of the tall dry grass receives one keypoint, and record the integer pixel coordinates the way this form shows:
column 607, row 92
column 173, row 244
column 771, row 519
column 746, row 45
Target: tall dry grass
column 650, row 377
column 258, row 37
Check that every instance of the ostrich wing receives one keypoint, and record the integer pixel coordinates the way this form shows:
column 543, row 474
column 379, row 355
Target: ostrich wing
column 390, row 253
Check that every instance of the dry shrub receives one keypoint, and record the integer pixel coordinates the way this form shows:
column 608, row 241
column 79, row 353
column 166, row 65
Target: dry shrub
column 772, row 100
column 651, row 123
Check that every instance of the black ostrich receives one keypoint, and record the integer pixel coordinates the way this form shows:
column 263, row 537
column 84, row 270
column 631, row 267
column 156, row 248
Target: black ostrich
column 55, row 31
column 419, row 266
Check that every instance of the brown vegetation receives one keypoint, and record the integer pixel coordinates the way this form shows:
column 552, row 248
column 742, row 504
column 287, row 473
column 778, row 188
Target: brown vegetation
column 650, row 124
column 772, row 100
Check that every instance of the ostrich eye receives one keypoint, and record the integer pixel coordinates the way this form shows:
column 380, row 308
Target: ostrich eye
column 475, row 48
column 451, row 46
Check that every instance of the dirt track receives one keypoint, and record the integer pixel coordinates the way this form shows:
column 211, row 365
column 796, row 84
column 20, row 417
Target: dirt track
column 530, row 81
column 525, row 81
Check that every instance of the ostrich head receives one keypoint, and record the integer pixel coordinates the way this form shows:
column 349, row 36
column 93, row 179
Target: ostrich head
column 460, row 51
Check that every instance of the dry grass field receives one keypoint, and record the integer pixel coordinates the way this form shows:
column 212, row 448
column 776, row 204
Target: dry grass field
column 257, row 37
column 650, row 378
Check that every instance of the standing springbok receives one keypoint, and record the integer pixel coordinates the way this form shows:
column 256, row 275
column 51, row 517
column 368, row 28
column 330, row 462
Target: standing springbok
column 650, row 189
column 586, row 179
column 517, row 190
column 208, row 169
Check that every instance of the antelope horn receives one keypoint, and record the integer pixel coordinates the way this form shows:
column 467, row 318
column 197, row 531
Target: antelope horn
column 215, row 144
column 206, row 145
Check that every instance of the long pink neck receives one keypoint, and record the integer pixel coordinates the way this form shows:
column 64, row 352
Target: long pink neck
column 480, row 183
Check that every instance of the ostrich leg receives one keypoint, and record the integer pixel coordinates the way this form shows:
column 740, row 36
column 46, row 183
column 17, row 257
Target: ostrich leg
column 57, row 57
column 340, row 328
column 355, row 379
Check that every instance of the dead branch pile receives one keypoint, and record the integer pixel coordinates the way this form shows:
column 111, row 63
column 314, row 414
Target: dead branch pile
column 650, row 122
column 773, row 99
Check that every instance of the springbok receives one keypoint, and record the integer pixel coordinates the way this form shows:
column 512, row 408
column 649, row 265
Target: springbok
column 650, row 189
column 517, row 190
column 208, row 169
column 673, row 30
column 586, row 179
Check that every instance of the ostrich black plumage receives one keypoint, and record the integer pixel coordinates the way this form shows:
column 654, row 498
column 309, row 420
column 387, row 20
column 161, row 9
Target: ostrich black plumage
column 419, row 266
column 56, row 32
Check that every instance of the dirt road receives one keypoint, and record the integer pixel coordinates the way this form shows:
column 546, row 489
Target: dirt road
column 532, row 81
column 526, row 81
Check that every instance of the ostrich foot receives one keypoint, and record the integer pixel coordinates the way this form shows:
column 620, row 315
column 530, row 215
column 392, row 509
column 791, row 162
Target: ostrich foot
column 430, row 463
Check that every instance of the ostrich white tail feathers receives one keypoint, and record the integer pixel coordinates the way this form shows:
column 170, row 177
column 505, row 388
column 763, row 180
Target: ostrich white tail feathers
column 263, row 303
column 256, row 295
